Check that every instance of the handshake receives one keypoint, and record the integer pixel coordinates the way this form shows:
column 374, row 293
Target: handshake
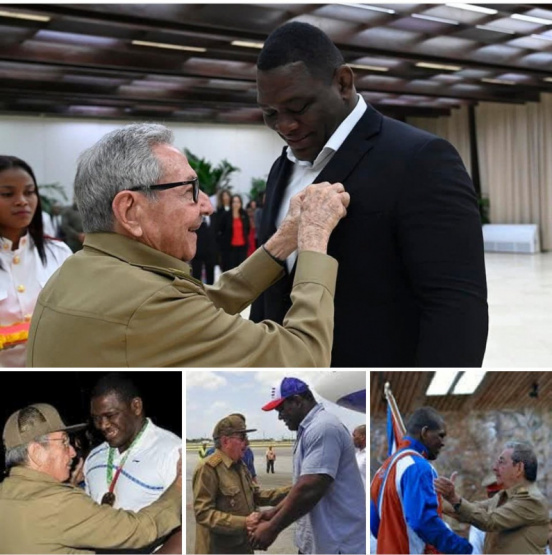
column 260, row 531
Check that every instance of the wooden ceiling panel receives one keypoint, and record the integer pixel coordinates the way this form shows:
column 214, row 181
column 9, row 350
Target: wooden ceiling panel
column 84, row 55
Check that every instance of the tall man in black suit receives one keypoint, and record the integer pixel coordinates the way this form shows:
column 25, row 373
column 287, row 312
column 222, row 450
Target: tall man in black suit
column 411, row 288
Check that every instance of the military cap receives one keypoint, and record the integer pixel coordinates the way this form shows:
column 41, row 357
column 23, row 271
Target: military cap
column 25, row 425
column 232, row 424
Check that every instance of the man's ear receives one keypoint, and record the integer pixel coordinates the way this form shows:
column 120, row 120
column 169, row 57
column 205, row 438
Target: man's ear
column 36, row 454
column 126, row 210
column 137, row 406
column 345, row 81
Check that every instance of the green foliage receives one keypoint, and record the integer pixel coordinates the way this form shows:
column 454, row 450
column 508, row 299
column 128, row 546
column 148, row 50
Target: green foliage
column 211, row 178
column 50, row 194
column 484, row 207
column 258, row 187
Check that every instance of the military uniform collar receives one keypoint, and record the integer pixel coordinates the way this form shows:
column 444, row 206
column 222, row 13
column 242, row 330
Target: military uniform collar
column 135, row 253
column 33, row 475
column 228, row 462
column 522, row 488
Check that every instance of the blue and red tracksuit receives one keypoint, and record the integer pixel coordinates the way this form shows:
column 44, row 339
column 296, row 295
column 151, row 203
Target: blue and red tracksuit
column 405, row 511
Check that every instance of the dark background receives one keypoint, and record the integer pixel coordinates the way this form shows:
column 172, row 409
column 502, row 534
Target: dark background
column 69, row 393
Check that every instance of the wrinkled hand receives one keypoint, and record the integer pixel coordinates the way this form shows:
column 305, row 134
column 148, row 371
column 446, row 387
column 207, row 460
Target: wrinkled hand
column 251, row 521
column 263, row 536
column 445, row 487
column 323, row 205
column 284, row 241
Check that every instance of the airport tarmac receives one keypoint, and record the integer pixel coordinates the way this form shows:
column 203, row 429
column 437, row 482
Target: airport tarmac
column 281, row 477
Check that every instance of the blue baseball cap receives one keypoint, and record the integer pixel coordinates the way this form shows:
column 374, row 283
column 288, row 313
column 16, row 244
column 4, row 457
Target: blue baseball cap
column 286, row 388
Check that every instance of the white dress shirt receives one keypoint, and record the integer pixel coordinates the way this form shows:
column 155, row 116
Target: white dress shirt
column 148, row 471
column 22, row 277
column 305, row 172
column 361, row 462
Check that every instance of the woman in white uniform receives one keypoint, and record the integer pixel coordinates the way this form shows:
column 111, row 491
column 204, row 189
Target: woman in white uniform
column 27, row 257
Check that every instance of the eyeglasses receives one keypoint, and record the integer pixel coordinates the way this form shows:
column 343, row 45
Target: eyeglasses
column 242, row 436
column 164, row 186
column 66, row 442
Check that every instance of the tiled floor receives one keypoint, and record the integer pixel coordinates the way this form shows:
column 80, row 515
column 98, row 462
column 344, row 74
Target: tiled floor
column 520, row 310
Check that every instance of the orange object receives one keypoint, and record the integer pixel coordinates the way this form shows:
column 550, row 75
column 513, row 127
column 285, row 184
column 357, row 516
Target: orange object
column 14, row 334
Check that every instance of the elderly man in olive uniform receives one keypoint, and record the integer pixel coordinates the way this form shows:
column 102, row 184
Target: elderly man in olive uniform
column 225, row 498
column 39, row 513
column 516, row 520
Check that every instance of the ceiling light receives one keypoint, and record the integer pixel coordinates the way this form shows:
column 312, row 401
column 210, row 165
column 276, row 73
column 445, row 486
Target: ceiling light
column 495, row 29
column 441, row 383
column 548, row 79
column 468, row 382
column 436, row 19
column 371, row 8
column 168, row 46
column 542, row 37
column 247, row 44
column 438, row 66
column 472, row 8
column 370, row 68
column 27, row 16
column 531, row 19
column 499, row 81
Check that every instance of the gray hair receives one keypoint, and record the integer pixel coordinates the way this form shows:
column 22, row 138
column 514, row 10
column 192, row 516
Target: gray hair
column 524, row 452
column 120, row 160
column 19, row 455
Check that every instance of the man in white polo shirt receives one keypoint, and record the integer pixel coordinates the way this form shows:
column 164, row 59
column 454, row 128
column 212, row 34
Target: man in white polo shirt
column 137, row 462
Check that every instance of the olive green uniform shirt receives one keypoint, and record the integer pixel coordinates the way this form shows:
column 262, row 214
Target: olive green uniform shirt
column 38, row 514
column 224, row 495
column 119, row 303
column 516, row 520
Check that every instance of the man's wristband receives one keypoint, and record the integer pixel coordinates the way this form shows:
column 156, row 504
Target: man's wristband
column 456, row 506
column 281, row 262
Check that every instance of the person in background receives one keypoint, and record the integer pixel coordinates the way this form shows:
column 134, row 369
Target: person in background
column 224, row 200
column 27, row 258
column 205, row 258
column 270, row 456
column 202, row 451
column 71, row 227
column 359, row 440
column 252, row 238
column 233, row 232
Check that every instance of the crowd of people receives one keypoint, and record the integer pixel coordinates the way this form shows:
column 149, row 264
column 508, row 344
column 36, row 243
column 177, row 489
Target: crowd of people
column 62, row 495
column 326, row 499
column 409, row 501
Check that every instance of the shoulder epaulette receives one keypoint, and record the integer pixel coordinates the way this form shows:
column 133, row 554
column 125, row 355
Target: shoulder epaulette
column 214, row 460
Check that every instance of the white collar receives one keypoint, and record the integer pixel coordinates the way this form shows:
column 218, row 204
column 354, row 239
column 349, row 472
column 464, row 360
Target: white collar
column 337, row 138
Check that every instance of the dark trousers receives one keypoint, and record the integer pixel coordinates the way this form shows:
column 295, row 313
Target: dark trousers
column 197, row 266
column 269, row 466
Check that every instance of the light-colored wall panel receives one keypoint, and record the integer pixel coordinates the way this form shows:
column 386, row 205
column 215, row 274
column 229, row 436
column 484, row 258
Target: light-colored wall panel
column 52, row 145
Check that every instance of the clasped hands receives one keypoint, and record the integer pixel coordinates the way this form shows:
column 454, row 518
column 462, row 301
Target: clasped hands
column 445, row 487
column 259, row 530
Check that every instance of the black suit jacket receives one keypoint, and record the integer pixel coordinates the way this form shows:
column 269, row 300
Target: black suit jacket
column 411, row 287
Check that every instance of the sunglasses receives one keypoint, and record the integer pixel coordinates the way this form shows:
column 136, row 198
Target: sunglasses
column 164, row 186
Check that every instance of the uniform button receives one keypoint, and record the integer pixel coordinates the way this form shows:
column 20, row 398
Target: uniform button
column 21, row 289
column 16, row 259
